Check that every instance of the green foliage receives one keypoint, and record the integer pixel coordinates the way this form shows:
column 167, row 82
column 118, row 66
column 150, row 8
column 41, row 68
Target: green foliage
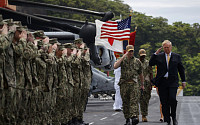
column 151, row 31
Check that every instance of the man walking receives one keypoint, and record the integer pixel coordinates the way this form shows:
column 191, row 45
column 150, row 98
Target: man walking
column 146, row 94
column 168, row 66
column 131, row 68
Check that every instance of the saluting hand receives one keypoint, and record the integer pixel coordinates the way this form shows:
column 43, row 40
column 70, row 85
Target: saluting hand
column 64, row 51
column 74, row 51
column 55, row 46
column 35, row 42
column 79, row 53
column 4, row 30
column 158, row 51
column 46, row 40
column 23, row 35
column 82, row 45
column 30, row 38
column 125, row 54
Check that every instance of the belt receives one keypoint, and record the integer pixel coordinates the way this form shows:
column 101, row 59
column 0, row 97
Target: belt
column 130, row 81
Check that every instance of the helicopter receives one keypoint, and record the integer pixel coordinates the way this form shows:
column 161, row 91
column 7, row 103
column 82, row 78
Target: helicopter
column 69, row 30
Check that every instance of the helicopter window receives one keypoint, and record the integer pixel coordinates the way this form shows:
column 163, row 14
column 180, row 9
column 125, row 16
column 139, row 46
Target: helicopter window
column 100, row 52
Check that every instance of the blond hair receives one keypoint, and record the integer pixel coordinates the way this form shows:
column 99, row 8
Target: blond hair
column 166, row 42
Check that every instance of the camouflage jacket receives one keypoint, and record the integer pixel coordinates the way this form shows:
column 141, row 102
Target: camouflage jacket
column 19, row 64
column 130, row 69
column 3, row 45
column 29, row 53
column 62, row 75
column 68, row 68
column 147, row 70
column 76, row 66
column 9, row 68
column 87, row 72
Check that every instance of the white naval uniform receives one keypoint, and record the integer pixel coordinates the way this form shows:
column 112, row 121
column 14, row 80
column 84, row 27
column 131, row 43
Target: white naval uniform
column 118, row 100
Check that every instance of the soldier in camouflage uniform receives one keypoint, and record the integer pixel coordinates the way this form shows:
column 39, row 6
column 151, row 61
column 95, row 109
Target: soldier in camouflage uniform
column 42, row 88
column 30, row 52
column 131, row 68
column 51, row 76
column 9, row 71
column 19, row 45
column 145, row 96
column 4, row 87
column 85, row 75
column 32, row 46
column 69, row 82
column 76, row 66
column 60, row 113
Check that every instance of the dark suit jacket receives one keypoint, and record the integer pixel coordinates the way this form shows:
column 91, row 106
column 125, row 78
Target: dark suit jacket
column 175, row 66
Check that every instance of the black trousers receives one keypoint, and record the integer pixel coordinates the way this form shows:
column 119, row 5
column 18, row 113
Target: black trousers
column 168, row 99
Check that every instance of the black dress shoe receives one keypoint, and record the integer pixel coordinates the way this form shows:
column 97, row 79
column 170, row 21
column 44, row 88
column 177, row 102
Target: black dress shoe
column 169, row 123
column 175, row 122
column 118, row 110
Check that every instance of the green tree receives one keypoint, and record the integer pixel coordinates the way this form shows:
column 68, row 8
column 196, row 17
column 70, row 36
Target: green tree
column 151, row 31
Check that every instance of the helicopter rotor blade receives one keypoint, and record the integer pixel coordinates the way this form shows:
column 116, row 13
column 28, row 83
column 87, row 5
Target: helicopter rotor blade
column 29, row 20
column 63, row 20
column 54, row 7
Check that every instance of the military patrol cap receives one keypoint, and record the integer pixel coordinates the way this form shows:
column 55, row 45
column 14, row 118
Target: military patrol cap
column 25, row 27
column 68, row 45
column 129, row 48
column 17, row 23
column 2, row 22
column 8, row 21
column 142, row 52
column 21, row 28
column 39, row 33
column 53, row 41
column 78, row 41
column 61, row 47
column 85, row 47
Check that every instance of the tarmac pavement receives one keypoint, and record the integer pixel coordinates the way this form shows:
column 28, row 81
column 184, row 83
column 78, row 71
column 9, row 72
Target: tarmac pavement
column 100, row 112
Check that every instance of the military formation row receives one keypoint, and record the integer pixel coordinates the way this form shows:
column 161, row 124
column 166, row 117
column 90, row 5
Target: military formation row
column 41, row 80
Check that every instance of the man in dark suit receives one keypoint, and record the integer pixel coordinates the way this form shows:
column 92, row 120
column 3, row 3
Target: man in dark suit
column 168, row 66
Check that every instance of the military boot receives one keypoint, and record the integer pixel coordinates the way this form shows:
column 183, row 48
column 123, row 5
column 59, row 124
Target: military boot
column 81, row 122
column 135, row 120
column 128, row 122
column 144, row 119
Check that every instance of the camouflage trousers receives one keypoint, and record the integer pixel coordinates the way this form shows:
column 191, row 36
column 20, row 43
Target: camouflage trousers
column 7, row 115
column 59, row 108
column 70, row 104
column 20, row 106
column 76, row 101
column 129, row 94
column 83, row 102
column 144, row 99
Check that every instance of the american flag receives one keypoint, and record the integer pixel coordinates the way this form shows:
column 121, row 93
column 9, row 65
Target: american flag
column 118, row 30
